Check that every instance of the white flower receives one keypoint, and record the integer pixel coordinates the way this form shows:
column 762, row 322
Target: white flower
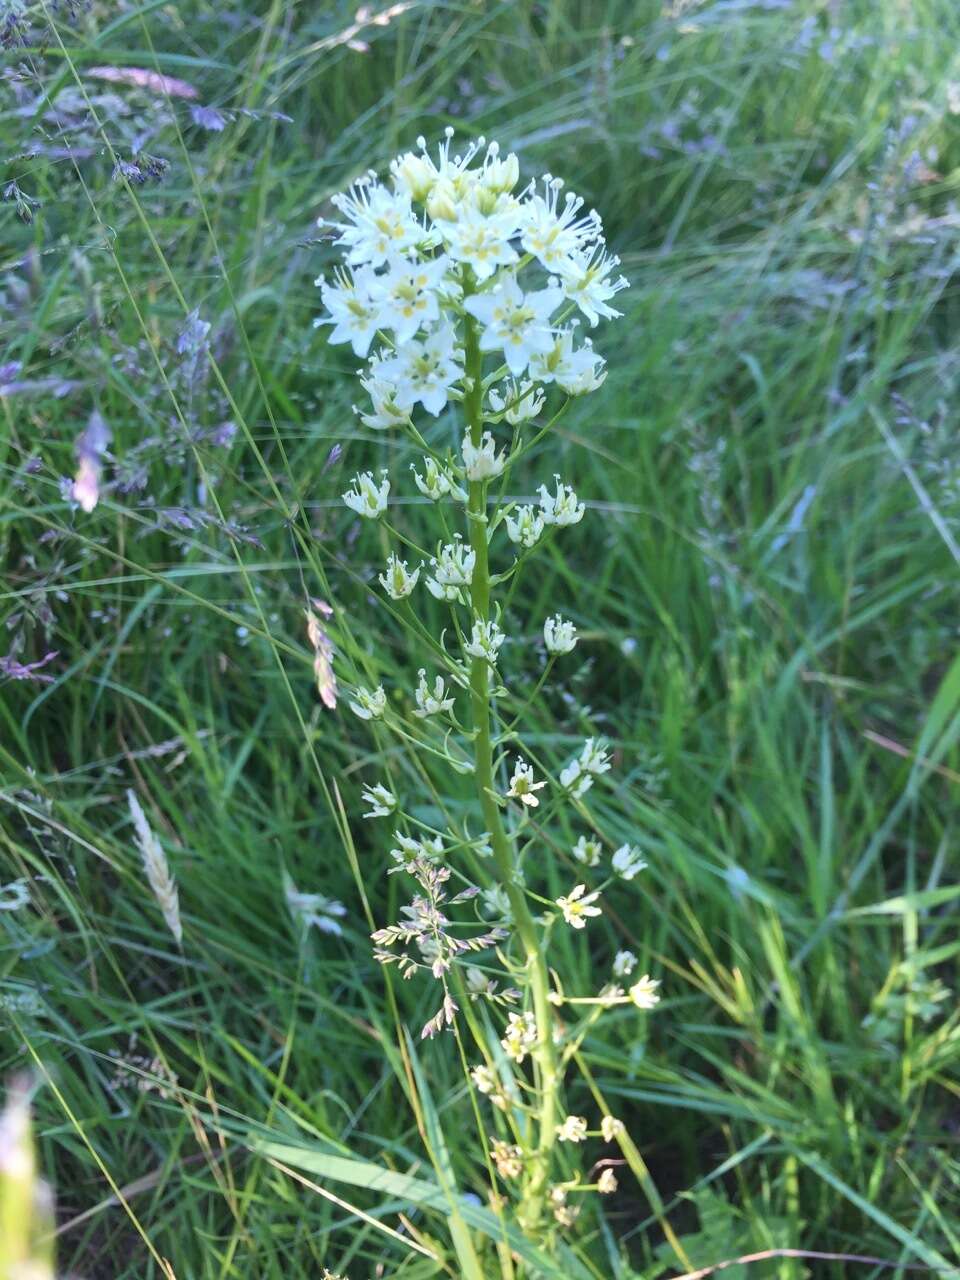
column 553, row 234
column 382, row 801
column 416, row 173
column 518, row 402
column 370, row 706
column 587, row 851
column 353, row 308
column 436, row 482
column 565, row 1214
column 520, row 1036
column 525, row 526
column 419, row 175
column 382, row 392
column 575, row 371
column 381, row 223
column 624, row 963
column 627, row 862
column 424, row 370
column 431, row 702
column 561, row 508
column 483, row 242
column 484, row 1079
column 485, row 641
column 314, row 909
column 408, row 293
column 482, row 463
column 644, row 993
column 452, row 570
column 573, row 1129
column 397, row 582
column 515, row 322
column 607, row 1182
column 578, row 775
column 507, row 1158
column 610, row 1128
column 409, row 849
column 559, row 636
column 522, row 785
column 499, row 176
column 585, row 280
column 366, row 497
column 578, row 906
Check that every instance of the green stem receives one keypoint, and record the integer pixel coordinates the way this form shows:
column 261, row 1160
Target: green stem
column 535, row 1188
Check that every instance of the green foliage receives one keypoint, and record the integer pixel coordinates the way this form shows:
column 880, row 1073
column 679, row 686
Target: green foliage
column 763, row 587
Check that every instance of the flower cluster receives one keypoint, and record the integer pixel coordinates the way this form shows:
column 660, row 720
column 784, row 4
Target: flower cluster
column 447, row 237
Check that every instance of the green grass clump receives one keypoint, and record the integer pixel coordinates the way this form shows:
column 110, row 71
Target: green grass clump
column 764, row 588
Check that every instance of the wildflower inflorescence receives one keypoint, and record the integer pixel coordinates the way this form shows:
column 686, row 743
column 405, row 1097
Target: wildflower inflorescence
column 466, row 295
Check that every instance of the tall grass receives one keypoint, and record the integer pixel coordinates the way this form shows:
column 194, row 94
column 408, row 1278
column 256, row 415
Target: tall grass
column 772, row 476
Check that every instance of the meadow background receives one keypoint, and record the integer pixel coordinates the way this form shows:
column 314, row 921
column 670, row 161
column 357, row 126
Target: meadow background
column 765, row 583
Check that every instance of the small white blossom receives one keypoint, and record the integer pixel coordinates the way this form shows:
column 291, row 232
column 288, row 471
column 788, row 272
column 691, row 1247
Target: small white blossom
column 607, row 1182
column 386, row 412
column 507, row 1158
column 611, row 1128
column 499, row 175
column 624, row 963
column 416, row 173
column 483, row 242
column 369, row 706
column 482, row 463
column 627, row 862
column 452, row 570
column 381, row 223
column 397, row 581
column 436, row 482
column 353, row 308
column 520, row 1036
column 559, row 636
column 431, row 702
column 575, row 370
column 565, row 1214
column 382, row 801
column 644, row 993
column 553, row 234
column 573, row 1129
column 525, row 526
column 587, row 851
column 409, row 296
column 424, row 370
column 560, row 508
column 578, row 906
column 485, row 641
column 408, row 849
column 366, row 497
column 314, row 909
column 522, row 785
column 484, row 1079
column 586, row 281
column 515, row 322
column 518, row 402
column 579, row 774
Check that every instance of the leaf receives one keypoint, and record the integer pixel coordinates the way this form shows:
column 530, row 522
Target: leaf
column 426, row 1195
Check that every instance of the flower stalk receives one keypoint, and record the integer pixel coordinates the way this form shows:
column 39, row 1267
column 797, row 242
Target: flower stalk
column 504, row 849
